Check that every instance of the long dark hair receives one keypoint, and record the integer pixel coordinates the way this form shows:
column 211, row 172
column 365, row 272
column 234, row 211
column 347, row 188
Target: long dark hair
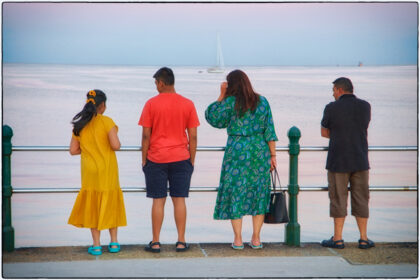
column 240, row 87
column 94, row 99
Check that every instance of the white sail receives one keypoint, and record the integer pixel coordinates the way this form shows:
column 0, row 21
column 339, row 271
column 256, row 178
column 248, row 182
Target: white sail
column 220, row 64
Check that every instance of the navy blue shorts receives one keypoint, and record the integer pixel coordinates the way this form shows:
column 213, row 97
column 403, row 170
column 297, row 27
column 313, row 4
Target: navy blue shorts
column 178, row 174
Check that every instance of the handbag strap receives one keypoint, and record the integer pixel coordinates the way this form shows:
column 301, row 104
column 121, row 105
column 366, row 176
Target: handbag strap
column 275, row 177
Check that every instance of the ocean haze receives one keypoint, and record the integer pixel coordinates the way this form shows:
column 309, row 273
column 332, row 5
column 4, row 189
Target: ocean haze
column 53, row 94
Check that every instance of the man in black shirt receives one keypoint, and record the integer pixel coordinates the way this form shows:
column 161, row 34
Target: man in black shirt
column 345, row 123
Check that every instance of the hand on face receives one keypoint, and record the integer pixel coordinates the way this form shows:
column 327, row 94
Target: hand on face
column 223, row 87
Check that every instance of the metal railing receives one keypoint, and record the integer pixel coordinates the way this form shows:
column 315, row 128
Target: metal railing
column 216, row 148
column 209, row 149
column 292, row 230
column 203, row 189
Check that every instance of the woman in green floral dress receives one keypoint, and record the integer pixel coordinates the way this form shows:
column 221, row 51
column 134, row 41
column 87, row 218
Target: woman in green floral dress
column 249, row 156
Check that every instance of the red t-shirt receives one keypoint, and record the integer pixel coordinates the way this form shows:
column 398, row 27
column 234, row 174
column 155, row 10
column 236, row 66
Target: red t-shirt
column 169, row 115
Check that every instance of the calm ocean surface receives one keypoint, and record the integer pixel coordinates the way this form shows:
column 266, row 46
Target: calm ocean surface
column 39, row 102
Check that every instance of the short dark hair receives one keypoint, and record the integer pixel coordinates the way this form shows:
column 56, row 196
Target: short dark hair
column 344, row 83
column 165, row 75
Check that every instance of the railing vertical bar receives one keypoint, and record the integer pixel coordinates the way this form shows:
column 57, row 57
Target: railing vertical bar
column 292, row 232
column 8, row 240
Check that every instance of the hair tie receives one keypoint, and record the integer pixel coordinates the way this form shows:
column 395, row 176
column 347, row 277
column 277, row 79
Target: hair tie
column 92, row 93
column 91, row 100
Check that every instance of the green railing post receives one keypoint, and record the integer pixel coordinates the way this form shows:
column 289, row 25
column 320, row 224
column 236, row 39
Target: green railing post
column 8, row 241
column 293, row 228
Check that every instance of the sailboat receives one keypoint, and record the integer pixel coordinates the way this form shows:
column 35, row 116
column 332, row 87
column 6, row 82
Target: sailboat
column 220, row 65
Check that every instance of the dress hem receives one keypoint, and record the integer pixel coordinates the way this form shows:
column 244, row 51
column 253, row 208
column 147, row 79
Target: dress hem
column 240, row 217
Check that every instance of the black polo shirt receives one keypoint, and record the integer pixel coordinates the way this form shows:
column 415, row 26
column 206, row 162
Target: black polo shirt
column 348, row 120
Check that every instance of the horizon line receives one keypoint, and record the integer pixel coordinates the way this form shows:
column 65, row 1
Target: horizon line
column 207, row 66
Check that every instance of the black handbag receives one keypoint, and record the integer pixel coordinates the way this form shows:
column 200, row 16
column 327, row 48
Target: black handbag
column 278, row 210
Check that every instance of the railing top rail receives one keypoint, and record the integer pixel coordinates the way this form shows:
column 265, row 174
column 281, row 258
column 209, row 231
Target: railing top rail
column 203, row 189
column 216, row 148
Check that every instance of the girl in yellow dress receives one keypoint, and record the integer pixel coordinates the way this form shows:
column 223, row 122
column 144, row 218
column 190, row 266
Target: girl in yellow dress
column 100, row 203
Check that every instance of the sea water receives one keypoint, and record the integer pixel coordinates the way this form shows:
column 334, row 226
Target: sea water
column 39, row 102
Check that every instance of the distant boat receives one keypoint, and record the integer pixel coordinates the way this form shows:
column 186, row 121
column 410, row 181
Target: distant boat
column 220, row 65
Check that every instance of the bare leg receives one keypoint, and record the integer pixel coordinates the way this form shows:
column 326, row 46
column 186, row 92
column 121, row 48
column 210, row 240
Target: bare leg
column 257, row 223
column 338, row 228
column 180, row 214
column 237, row 230
column 158, row 212
column 96, row 236
column 113, row 233
column 362, row 224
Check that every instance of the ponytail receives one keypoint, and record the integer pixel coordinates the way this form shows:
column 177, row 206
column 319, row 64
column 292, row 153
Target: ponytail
column 94, row 99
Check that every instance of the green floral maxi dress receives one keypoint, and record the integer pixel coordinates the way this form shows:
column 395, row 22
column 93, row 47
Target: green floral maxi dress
column 245, row 177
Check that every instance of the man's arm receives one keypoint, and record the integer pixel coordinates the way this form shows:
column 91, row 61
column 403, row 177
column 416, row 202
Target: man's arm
column 145, row 143
column 325, row 132
column 192, row 136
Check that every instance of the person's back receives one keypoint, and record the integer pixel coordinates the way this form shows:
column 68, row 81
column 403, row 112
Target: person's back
column 250, row 123
column 348, row 121
column 95, row 134
column 97, row 156
column 169, row 114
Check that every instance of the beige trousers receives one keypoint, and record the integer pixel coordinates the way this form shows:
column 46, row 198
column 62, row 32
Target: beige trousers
column 338, row 192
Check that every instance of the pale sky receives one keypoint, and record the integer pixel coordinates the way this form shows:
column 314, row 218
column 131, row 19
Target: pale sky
column 259, row 34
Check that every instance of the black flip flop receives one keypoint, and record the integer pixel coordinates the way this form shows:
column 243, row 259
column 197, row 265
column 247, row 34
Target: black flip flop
column 366, row 244
column 149, row 248
column 186, row 246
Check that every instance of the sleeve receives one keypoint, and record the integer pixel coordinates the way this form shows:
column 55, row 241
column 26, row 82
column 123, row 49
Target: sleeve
column 218, row 114
column 146, row 119
column 269, row 132
column 325, row 122
column 109, row 123
column 75, row 137
column 193, row 120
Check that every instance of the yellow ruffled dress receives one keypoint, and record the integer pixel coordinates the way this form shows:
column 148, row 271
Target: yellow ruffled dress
column 100, row 202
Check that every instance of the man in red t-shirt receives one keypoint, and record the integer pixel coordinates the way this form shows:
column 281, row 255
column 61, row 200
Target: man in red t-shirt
column 169, row 145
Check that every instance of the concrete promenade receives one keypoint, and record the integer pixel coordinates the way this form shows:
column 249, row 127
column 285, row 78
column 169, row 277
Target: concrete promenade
column 216, row 260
